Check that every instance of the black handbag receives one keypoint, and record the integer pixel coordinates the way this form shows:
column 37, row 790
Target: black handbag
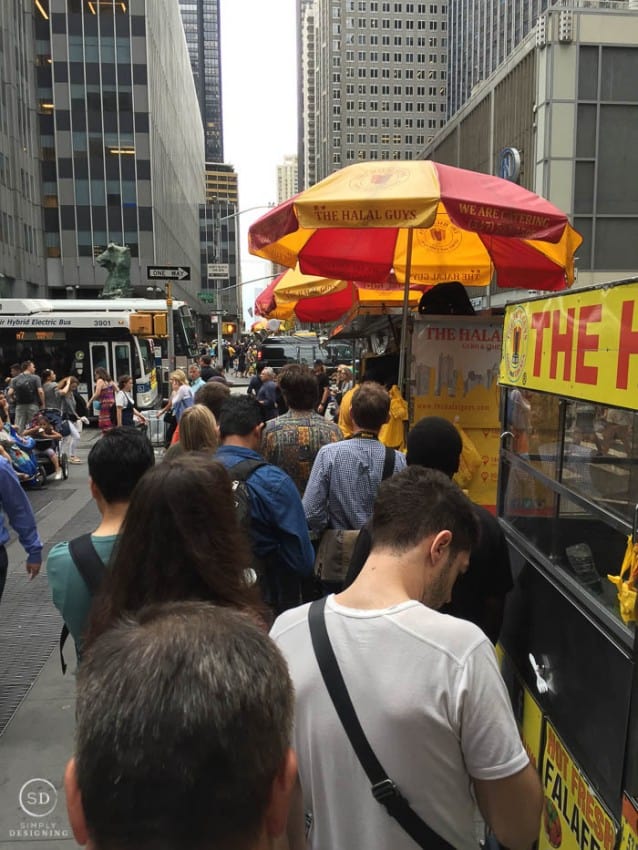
column 383, row 789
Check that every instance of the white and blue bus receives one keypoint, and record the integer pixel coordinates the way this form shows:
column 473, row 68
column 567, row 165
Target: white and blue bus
column 123, row 336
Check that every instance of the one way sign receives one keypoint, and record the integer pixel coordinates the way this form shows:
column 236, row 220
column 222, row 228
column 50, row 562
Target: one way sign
column 168, row 272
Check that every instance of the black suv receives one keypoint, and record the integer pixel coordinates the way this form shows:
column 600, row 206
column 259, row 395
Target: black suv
column 278, row 351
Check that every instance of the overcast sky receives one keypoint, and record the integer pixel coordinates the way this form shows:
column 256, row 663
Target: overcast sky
column 259, row 90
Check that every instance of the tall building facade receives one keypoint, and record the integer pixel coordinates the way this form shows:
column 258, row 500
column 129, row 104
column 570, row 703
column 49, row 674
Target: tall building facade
column 287, row 179
column 201, row 26
column 380, row 79
column 306, row 94
column 483, row 33
column 219, row 241
column 121, row 139
column 22, row 264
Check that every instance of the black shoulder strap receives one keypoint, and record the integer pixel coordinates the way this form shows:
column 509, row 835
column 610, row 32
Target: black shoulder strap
column 383, row 788
column 91, row 567
column 388, row 464
column 244, row 469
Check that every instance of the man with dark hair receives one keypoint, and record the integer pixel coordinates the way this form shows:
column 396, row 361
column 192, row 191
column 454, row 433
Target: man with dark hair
column 27, row 393
column 291, row 441
column 116, row 462
column 345, row 476
column 206, row 370
column 431, row 679
column 184, row 718
column 479, row 594
column 279, row 534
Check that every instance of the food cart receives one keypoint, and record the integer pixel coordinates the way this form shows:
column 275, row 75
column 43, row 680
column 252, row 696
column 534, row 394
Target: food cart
column 453, row 363
column 567, row 499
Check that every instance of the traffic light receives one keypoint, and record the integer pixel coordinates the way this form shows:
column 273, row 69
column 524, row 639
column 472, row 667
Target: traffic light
column 229, row 328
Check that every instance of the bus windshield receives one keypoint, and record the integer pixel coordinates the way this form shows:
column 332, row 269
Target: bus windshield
column 185, row 336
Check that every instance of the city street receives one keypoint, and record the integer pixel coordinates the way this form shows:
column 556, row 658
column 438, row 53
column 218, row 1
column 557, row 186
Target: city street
column 36, row 700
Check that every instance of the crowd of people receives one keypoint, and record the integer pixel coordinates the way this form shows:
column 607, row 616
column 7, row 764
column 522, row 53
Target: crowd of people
column 242, row 588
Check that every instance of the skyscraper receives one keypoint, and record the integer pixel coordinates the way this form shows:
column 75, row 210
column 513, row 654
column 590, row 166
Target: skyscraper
column 201, row 26
column 22, row 266
column 287, row 179
column 122, row 144
column 381, row 79
column 483, row 33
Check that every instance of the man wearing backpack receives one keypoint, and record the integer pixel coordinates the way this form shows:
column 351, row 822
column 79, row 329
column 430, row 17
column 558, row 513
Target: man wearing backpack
column 277, row 526
column 116, row 463
column 27, row 393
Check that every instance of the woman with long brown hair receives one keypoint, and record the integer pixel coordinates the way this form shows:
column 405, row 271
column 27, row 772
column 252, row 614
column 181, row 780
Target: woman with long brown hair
column 180, row 541
column 105, row 389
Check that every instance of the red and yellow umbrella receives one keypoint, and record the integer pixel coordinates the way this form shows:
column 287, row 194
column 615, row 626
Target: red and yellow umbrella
column 423, row 222
column 315, row 299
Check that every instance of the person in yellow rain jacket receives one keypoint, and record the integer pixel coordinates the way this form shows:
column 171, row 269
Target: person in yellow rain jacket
column 392, row 434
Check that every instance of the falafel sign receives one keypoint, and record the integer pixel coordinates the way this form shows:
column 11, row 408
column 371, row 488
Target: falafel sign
column 574, row 817
column 583, row 344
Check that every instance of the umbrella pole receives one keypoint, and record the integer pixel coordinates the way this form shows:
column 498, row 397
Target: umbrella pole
column 404, row 317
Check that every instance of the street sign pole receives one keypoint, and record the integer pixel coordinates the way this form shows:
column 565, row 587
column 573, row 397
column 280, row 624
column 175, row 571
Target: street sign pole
column 220, row 337
column 170, row 329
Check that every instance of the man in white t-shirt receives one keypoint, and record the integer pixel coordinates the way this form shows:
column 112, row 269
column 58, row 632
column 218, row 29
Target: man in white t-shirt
column 425, row 687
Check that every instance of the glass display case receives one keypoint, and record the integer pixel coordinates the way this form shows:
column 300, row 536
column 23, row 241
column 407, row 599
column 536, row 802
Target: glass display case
column 569, row 488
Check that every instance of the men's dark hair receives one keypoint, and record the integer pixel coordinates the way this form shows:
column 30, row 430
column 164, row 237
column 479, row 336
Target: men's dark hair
column 239, row 415
column 183, row 719
column 118, row 460
column 370, row 407
column 25, row 365
column 213, row 395
column 435, row 442
column 299, row 386
column 206, row 359
column 416, row 503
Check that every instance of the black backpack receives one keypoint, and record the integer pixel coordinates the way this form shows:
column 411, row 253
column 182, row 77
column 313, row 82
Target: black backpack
column 92, row 569
column 25, row 389
column 239, row 474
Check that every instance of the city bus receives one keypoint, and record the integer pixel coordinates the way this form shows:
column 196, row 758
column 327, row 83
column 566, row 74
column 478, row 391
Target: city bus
column 123, row 336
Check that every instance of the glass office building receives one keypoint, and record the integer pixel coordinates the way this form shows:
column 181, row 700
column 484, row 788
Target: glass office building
column 201, row 26
column 22, row 265
column 121, row 138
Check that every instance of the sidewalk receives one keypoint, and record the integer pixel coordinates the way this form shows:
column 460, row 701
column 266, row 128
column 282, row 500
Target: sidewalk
column 38, row 740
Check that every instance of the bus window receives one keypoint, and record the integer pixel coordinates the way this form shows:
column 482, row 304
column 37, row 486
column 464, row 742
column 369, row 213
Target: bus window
column 145, row 357
column 185, row 336
column 99, row 357
column 121, row 359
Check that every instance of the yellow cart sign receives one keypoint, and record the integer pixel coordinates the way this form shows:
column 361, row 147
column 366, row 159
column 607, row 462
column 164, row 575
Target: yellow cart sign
column 574, row 817
column 629, row 840
column 583, row 344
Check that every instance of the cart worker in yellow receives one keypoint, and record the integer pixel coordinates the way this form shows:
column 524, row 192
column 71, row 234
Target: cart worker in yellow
column 393, row 433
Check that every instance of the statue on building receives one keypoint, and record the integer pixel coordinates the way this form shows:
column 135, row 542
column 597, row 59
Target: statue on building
column 117, row 261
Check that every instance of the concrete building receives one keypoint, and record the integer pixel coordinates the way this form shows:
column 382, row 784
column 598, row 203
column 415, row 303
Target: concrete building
column 380, row 79
column 565, row 106
column 287, row 179
column 22, row 263
column 483, row 33
column 121, row 138
column 220, row 243
column 201, row 26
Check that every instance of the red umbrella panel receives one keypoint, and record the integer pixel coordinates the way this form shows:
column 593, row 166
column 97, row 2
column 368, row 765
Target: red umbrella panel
column 422, row 220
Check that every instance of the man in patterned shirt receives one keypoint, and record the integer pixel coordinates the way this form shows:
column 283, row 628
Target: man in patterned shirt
column 293, row 440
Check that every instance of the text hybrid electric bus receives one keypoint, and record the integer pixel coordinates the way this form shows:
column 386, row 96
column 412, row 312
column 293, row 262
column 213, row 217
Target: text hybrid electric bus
column 74, row 337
